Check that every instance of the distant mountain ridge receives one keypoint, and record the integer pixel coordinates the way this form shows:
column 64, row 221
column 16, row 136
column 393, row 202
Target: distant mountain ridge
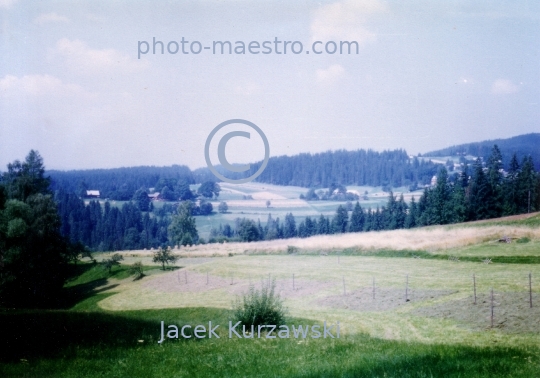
column 521, row 145
column 361, row 167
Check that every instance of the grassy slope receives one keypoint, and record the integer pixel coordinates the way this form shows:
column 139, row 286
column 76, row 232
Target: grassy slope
column 98, row 343
column 86, row 340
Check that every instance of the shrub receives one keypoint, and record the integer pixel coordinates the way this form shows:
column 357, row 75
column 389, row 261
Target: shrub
column 187, row 240
column 137, row 270
column 523, row 240
column 292, row 249
column 223, row 207
column 260, row 307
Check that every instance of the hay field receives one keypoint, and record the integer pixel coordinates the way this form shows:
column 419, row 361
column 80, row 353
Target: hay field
column 416, row 299
column 434, row 288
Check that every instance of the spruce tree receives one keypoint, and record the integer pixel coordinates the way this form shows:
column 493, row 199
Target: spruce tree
column 458, row 203
column 289, row 228
column 479, row 194
column 410, row 220
column 401, row 212
column 527, row 186
column 340, row 221
column 495, row 180
column 357, row 219
column 511, row 188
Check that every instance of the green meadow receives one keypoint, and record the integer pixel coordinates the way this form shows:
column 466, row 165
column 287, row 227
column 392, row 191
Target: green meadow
column 402, row 313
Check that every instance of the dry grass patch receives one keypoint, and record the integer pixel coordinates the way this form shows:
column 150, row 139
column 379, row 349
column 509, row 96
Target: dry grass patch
column 431, row 239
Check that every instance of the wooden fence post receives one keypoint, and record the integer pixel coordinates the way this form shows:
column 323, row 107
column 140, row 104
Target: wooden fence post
column 407, row 289
column 530, row 290
column 492, row 307
column 474, row 285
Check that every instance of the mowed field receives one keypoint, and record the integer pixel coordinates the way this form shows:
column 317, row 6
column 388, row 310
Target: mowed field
column 333, row 281
column 404, row 299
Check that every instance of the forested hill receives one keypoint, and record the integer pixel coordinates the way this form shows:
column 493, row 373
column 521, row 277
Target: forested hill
column 522, row 145
column 117, row 183
column 361, row 167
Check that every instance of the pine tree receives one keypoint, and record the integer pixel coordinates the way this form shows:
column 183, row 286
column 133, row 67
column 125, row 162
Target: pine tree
column 527, row 186
column 495, row 180
column 289, row 228
column 479, row 194
column 401, row 212
column 34, row 256
column 390, row 213
column 368, row 225
column 511, row 188
column 322, row 226
column 458, row 203
column 357, row 219
column 410, row 220
column 440, row 205
column 340, row 221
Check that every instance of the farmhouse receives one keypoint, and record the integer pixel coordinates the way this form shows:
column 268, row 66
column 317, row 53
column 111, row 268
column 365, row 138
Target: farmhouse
column 153, row 196
column 92, row 193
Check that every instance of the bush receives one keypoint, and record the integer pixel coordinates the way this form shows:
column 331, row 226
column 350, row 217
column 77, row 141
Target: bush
column 523, row 240
column 260, row 307
column 137, row 270
column 187, row 240
column 223, row 207
column 292, row 249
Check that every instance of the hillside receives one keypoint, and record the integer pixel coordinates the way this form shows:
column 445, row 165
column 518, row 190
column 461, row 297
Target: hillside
column 117, row 183
column 392, row 168
column 522, row 145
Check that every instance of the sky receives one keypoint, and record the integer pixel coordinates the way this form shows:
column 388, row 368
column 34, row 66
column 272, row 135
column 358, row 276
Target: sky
column 76, row 86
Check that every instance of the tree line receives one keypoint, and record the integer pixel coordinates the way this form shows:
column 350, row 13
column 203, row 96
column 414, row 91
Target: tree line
column 485, row 193
column 361, row 167
column 479, row 191
column 137, row 224
column 122, row 183
column 521, row 145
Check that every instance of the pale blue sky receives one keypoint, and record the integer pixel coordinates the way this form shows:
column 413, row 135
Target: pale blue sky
column 428, row 74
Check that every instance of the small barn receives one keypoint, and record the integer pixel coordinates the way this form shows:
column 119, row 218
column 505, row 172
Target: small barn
column 92, row 193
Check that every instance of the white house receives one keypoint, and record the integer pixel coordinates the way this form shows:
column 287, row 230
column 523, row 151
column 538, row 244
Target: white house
column 92, row 193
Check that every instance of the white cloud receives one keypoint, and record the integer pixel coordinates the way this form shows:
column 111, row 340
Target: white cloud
column 6, row 4
column 81, row 58
column 51, row 17
column 503, row 86
column 331, row 74
column 37, row 85
column 345, row 20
